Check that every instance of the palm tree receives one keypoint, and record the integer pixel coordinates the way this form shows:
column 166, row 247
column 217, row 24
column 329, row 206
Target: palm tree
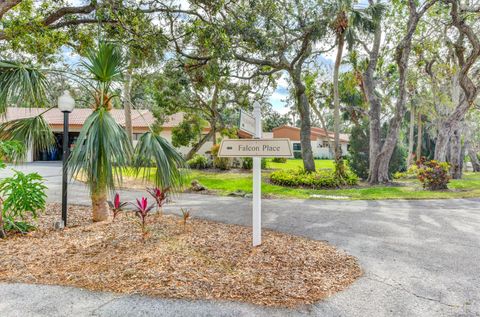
column 102, row 150
column 346, row 22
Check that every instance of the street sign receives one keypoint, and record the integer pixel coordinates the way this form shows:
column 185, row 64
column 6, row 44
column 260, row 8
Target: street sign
column 255, row 148
column 247, row 122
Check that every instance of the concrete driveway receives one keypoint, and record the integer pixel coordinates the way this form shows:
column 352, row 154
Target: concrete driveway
column 421, row 258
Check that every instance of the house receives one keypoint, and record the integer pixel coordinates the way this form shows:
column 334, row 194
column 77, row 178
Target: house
column 141, row 121
column 319, row 139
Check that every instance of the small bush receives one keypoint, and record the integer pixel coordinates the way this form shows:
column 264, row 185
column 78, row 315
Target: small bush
column 247, row 163
column 142, row 211
column 410, row 173
column 198, row 162
column 279, row 160
column 433, row 175
column 223, row 163
column 324, row 178
column 358, row 157
column 297, row 154
column 24, row 197
column 116, row 205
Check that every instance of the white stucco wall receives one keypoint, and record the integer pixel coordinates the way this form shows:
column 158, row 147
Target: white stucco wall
column 321, row 151
column 167, row 134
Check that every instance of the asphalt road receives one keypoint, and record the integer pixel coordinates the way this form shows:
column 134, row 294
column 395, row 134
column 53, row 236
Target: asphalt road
column 421, row 258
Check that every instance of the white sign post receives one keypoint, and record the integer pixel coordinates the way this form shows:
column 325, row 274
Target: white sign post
column 255, row 148
column 257, row 181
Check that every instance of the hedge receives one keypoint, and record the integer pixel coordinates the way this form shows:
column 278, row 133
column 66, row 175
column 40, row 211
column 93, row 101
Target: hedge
column 324, row 178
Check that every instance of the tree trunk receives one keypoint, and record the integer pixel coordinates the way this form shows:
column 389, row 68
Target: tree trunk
column 447, row 128
column 473, row 156
column 375, row 141
column 470, row 90
column 199, row 144
column 305, row 124
column 410, row 137
column 455, row 155
column 3, row 234
column 100, row 210
column 462, row 159
column 379, row 172
column 419, row 136
column 336, row 99
column 324, row 127
column 127, row 103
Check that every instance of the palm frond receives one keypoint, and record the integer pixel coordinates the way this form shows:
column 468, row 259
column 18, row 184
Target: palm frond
column 34, row 130
column 14, row 151
column 169, row 163
column 101, row 151
column 21, row 85
column 105, row 63
column 376, row 11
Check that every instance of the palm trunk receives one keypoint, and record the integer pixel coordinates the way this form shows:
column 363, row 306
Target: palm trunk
column 127, row 106
column 100, row 210
column 410, row 136
column 375, row 106
column 336, row 103
column 419, row 136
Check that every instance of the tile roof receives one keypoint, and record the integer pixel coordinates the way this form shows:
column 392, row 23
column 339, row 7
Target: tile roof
column 317, row 132
column 140, row 118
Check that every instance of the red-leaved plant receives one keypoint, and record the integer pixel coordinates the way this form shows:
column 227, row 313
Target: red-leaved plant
column 160, row 196
column 117, row 205
column 142, row 210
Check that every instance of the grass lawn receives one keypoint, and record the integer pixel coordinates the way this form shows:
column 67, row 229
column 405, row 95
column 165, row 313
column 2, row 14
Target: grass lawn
column 227, row 182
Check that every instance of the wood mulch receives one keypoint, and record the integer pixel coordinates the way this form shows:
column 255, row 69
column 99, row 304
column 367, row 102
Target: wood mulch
column 204, row 260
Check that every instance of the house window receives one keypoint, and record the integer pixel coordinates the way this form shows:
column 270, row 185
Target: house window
column 136, row 136
column 297, row 147
column 326, row 144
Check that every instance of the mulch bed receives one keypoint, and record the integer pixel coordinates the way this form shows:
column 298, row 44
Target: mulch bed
column 204, row 260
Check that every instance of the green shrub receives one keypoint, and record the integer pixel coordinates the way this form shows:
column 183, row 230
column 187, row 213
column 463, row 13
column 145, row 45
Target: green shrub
column 198, row 162
column 359, row 152
column 324, row 178
column 410, row 173
column 223, row 163
column 247, row 163
column 279, row 160
column 433, row 175
column 24, row 196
